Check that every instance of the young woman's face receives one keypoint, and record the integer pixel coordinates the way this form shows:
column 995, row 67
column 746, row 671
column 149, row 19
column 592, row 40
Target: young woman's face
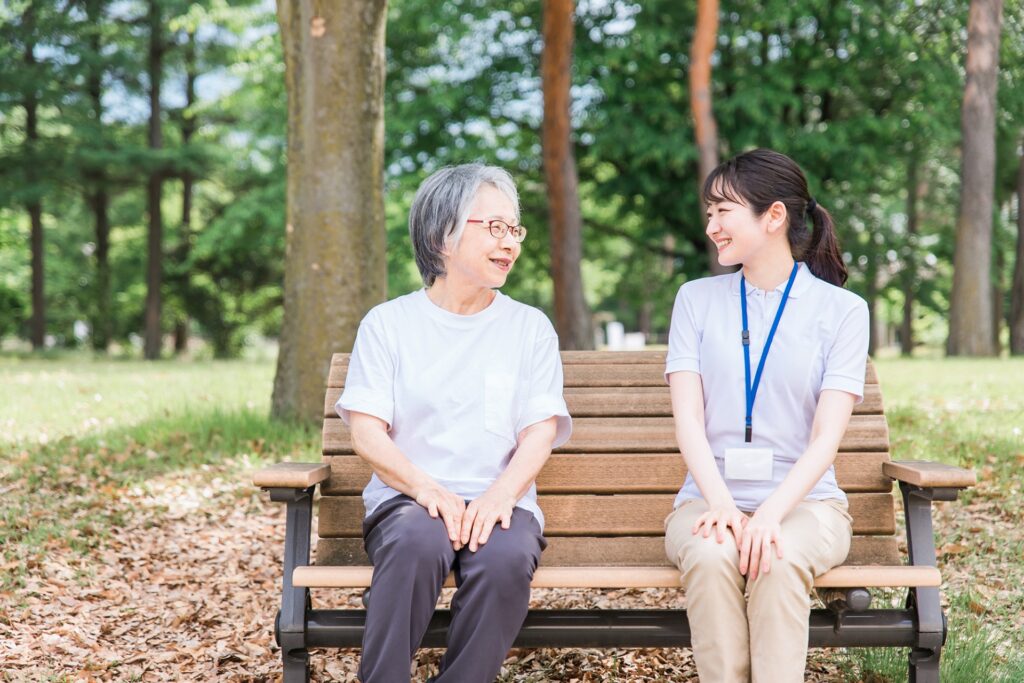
column 480, row 258
column 736, row 231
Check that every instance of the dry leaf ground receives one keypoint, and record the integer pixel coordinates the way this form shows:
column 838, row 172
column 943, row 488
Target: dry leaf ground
column 142, row 553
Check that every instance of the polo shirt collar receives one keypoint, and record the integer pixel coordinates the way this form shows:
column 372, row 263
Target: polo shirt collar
column 804, row 279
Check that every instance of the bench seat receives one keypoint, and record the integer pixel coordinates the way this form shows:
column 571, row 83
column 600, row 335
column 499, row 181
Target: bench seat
column 846, row 576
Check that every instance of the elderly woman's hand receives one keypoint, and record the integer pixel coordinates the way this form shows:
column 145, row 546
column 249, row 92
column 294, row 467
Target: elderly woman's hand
column 439, row 501
column 483, row 513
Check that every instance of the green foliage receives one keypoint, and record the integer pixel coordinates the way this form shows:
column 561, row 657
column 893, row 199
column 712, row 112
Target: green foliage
column 857, row 92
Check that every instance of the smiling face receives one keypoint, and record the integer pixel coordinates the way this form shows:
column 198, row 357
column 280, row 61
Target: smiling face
column 480, row 259
column 738, row 234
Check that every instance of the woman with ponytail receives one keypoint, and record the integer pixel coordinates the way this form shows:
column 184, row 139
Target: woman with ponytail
column 765, row 366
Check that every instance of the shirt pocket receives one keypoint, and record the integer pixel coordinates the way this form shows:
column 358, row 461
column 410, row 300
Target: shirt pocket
column 499, row 394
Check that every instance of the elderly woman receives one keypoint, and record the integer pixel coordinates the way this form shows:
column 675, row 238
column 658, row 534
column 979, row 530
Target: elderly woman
column 454, row 398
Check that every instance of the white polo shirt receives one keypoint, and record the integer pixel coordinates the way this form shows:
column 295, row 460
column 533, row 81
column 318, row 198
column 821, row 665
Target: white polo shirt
column 456, row 390
column 821, row 343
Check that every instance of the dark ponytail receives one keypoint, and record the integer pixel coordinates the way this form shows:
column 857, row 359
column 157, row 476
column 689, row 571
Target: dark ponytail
column 761, row 177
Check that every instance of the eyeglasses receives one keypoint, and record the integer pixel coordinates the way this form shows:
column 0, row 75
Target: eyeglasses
column 500, row 228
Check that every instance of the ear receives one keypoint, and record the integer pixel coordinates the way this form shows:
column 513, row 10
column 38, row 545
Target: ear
column 778, row 217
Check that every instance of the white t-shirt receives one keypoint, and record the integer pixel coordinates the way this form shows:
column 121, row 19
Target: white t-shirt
column 821, row 343
column 456, row 390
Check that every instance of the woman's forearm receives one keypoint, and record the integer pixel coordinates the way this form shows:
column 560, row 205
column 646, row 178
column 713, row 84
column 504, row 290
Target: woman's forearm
column 700, row 461
column 371, row 442
column 531, row 454
column 831, row 418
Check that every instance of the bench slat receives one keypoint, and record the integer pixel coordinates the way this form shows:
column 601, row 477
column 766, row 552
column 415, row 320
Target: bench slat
column 640, row 434
column 631, row 401
column 622, row 551
column 619, row 515
column 625, row 473
column 590, row 368
column 633, row 577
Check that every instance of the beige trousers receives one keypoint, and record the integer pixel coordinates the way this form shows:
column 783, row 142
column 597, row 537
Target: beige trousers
column 755, row 630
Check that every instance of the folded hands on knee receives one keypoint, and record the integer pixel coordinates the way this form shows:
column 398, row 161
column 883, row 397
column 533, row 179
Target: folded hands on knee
column 468, row 525
column 754, row 535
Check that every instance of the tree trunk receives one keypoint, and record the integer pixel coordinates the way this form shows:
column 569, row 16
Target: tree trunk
column 572, row 315
column 37, row 325
column 704, row 126
column 154, row 190
column 970, row 318
column 1017, row 293
column 335, row 268
column 871, row 297
column 99, row 199
column 188, row 129
column 997, row 299
column 909, row 272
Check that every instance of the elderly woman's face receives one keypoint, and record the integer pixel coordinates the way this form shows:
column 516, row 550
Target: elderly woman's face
column 480, row 258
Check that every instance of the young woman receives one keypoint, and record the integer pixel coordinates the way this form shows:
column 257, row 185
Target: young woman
column 765, row 366
column 454, row 398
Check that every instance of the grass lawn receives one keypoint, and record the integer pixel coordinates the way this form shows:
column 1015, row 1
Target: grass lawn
column 95, row 452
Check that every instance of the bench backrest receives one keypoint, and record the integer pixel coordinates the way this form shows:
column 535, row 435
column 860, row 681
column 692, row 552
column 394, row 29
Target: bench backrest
column 606, row 492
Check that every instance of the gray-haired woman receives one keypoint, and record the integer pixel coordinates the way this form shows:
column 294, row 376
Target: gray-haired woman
column 454, row 398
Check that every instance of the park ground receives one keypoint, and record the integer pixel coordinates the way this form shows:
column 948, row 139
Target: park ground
column 133, row 548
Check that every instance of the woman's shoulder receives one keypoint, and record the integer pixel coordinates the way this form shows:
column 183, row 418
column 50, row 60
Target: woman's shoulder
column 393, row 310
column 525, row 315
column 840, row 299
column 705, row 287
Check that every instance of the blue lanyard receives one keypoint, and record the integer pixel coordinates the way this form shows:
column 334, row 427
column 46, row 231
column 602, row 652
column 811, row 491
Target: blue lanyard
column 752, row 389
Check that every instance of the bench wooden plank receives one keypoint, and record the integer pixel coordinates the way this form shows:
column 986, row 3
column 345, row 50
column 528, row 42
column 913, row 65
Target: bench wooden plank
column 927, row 474
column 634, row 577
column 291, row 475
column 589, row 368
column 620, row 551
column 616, row 472
column 631, row 401
column 597, row 515
column 640, row 434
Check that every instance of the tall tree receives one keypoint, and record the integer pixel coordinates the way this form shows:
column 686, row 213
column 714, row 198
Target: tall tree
column 970, row 323
column 1017, row 291
column 188, row 129
column 97, row 192
column 908, row 273
column 572, row 315
column 704, row 127
column 34, row 205
column 335, row 253
column 154, row 187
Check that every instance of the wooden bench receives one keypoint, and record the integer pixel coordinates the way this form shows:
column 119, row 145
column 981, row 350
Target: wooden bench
column 605, row 495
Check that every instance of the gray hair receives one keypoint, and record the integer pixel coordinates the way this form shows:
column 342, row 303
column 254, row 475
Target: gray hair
column 441, row 207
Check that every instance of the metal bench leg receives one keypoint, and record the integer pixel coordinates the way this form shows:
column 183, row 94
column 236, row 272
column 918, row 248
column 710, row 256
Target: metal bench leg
column 924, row 665
column 295, row 602
column 931, row 622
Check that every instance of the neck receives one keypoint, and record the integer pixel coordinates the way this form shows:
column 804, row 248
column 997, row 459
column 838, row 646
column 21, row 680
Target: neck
column 460, row 299
column 770, row 271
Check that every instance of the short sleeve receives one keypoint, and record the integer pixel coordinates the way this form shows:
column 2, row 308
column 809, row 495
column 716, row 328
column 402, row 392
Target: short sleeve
column 846, row 359
column 544, row 394
column 683, row 337
column 369, row 386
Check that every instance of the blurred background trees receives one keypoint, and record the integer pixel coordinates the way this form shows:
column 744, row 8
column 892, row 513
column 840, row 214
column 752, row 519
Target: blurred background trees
column 135, row 223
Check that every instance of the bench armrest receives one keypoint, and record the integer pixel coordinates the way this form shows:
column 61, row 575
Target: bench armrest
column 291, row 475
column 929, row 474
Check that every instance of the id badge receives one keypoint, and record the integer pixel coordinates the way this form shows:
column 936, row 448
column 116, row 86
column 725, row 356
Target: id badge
column 750, row 464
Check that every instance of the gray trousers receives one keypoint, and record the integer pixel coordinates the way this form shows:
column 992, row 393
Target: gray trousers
column 411, row 557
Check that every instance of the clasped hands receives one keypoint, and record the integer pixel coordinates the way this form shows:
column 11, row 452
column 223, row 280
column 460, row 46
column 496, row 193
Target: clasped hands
column 754, row 535
column 468, row 525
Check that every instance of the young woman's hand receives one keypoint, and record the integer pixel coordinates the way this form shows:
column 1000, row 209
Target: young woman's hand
column 494, row 506
column 762, row 532
column 440, row 502
column 720, row 520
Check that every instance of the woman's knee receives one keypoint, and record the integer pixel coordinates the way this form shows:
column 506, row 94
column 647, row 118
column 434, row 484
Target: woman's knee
column 706, row 556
